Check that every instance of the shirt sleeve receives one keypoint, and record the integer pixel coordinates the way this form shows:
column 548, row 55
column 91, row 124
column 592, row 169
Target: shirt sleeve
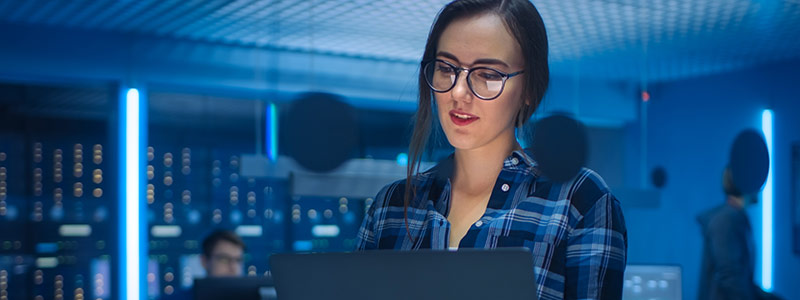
column 597, row 251
column 368, row 234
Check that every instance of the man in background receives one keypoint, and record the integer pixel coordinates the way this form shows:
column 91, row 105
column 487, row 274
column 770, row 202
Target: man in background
column 222, row 254
column 728, row 248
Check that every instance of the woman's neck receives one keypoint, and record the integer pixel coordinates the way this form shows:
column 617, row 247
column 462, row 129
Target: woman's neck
column 476, row 170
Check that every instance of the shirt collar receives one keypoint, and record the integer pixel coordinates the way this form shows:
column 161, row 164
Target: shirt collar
column 519, row 160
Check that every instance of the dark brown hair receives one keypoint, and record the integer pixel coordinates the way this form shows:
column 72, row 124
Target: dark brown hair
column 215, row 237
column 525, row 24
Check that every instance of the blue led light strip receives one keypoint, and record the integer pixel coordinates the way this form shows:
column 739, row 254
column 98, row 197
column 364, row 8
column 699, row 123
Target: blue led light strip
column 132, row 240
column 766, row 208
column 272, row 132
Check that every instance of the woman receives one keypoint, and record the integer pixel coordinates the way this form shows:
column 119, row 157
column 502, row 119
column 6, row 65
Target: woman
column 485, row 66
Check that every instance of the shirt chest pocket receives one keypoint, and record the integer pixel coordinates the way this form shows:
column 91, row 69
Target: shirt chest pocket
column 532, row 222
column 547, row 229
column 509, row 231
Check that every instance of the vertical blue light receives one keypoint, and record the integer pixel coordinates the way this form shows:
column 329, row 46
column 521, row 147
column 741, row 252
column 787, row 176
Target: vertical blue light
column 766, row 208
column 272, row 132
column 132, row 247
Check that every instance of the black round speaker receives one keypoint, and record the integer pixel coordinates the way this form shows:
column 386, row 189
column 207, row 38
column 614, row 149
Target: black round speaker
column 322, row 131
column 749, row 161
column 659, row 177
column 560, row 146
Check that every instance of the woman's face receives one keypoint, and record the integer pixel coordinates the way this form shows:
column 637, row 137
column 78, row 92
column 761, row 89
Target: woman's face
column 469, row 122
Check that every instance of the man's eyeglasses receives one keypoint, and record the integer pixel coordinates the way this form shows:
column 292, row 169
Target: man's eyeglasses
column 226, row 259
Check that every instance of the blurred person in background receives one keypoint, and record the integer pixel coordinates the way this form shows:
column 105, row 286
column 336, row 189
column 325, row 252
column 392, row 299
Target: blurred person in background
column 222, row 255
column 729, row 251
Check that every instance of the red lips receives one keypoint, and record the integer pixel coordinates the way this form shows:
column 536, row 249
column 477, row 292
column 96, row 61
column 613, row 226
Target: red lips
column 461, row 118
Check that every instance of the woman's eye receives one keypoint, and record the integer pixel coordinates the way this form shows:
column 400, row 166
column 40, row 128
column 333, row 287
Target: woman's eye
column 490, row 76
column 445, row 69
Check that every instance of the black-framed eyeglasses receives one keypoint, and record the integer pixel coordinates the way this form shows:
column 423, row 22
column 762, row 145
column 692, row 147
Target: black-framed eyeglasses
column 486, row 83
column 226, row 259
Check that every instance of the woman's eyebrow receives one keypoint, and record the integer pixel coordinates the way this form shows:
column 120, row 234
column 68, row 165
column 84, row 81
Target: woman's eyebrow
column 484, row 61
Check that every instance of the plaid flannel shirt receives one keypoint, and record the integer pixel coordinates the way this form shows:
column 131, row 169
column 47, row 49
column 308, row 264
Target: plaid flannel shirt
column 575, row 230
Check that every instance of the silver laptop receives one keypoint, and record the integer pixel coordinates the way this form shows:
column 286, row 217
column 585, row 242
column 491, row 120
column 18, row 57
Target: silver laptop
column 388, row 274
column 646, row 282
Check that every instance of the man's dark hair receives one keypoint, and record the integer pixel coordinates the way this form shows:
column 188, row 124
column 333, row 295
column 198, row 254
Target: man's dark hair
column 728, row 186
column 220, row 235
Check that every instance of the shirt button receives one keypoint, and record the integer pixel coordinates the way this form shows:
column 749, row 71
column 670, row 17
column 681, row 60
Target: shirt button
column 505, row 187
column 514, row 160
column 479, row 223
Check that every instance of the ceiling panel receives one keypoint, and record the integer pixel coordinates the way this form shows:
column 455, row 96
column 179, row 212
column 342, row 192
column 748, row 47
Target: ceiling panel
column 615, row 39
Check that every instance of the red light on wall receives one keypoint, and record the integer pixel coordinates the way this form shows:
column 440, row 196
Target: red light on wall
column 645, row 96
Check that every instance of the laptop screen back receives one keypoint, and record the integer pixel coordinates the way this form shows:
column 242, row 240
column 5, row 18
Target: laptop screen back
column 463, row 274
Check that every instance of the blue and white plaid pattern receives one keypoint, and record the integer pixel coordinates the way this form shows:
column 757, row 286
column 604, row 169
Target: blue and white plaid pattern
column 575, row 229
